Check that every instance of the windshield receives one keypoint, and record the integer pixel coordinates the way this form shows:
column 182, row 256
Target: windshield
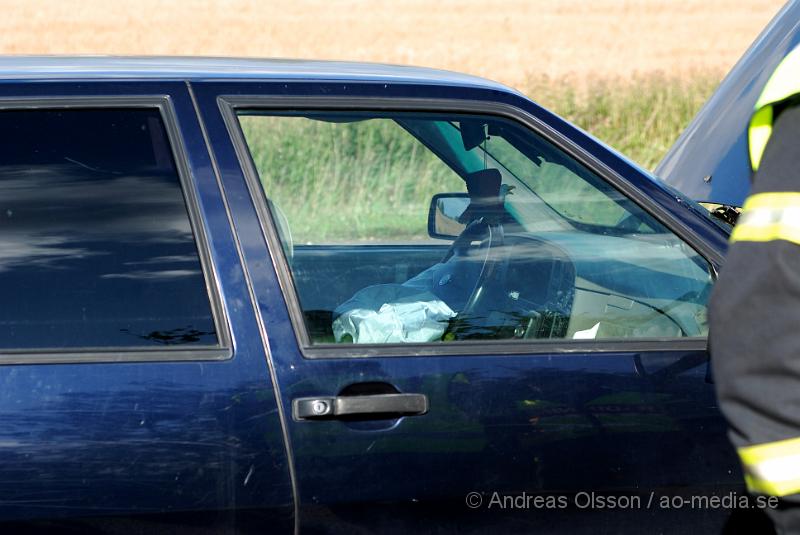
column 567, row 195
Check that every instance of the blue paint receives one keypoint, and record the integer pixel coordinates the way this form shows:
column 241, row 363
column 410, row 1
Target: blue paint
column 201, row 443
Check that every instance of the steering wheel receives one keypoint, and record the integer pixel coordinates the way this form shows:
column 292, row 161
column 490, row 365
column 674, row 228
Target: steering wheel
column 461, row 254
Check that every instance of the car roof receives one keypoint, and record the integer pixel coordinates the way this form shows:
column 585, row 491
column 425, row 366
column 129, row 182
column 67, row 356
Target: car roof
column 216, row 68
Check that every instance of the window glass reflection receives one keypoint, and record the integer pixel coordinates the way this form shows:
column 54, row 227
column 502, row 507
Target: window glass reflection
column 96, row 249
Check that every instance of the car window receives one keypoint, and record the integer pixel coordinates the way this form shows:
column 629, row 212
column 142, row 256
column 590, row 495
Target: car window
column 330, row 178
column 96, row 246
column 574, row 193
column 529, row 243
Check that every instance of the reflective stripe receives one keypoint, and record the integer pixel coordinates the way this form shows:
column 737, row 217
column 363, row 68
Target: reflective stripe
column 783, row 84
column 769, row 216
column 784, row 81
column 758, row 135
column 772, row 468
column 776, row 200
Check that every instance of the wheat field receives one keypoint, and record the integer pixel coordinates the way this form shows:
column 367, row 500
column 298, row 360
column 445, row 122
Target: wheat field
column 510, row 41
column 632, row 72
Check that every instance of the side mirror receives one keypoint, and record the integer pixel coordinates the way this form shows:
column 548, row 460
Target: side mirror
column 444, row 214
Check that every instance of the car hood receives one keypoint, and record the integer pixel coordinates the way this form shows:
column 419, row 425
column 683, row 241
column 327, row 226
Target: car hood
column 709, row 161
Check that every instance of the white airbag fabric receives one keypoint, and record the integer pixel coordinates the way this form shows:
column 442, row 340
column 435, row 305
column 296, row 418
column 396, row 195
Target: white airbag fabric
column 387, row 313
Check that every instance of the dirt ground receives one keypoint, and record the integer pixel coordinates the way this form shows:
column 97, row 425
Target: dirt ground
column 510, row 41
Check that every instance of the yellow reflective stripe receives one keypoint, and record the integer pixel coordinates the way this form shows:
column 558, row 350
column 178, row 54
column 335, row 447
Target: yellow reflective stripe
column 774, row 200
column 772, row 468
column 783, row 488
column 769, row 233
column 784, row 83
column 758, row 135
column 768, row 217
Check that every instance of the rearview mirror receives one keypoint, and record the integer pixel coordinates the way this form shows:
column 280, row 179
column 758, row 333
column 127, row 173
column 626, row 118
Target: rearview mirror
column 444, row 214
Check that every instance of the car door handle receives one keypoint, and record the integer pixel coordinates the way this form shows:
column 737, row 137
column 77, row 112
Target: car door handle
column 377, row 406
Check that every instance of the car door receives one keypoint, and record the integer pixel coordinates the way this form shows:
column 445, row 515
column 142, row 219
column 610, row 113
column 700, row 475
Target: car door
column 573, row 395
column 136, row 392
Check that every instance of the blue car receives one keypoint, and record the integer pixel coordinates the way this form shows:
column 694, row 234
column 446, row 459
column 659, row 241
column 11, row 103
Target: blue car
column 249, row 296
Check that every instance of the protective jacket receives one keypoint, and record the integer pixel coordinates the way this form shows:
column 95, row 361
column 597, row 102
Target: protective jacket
column 755, row 307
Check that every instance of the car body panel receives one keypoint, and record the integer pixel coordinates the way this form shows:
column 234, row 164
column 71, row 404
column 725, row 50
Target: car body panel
column 204, row 443
column 497, row 421
column 50, row 68
column 709, row 162
column 145, row 443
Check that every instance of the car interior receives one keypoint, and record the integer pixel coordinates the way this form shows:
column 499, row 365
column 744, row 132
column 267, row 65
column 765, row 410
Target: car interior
column 535, row 246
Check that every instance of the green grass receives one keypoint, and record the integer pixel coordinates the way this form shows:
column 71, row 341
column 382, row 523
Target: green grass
column 641, row 117
column 367, row 181
column 355, row 182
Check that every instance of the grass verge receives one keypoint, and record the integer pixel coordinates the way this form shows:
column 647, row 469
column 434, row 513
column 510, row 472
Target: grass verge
column 641, row 117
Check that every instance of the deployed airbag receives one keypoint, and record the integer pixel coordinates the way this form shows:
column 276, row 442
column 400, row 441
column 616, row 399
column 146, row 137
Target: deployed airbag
column 391, row 313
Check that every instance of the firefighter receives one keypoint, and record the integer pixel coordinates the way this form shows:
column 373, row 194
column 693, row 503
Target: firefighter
column 755, row 306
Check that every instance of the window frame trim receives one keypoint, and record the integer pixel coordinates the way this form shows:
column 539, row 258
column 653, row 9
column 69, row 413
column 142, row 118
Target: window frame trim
column 223, row 350
column 229, row 104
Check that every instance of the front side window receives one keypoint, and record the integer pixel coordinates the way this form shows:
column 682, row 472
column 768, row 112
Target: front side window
column 412, row 227
column 96, row 246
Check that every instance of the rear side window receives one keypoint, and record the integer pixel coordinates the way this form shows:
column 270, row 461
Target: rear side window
column 96, row 245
